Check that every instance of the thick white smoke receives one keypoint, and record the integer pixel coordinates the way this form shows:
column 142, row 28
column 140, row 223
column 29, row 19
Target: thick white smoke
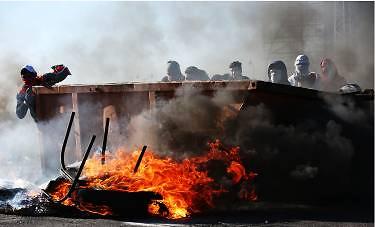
column 118, row 43
column 132, row 41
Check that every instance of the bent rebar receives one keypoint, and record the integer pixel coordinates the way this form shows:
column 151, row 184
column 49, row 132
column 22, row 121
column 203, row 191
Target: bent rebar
column 62, row 155
column 105, row 140
column 140, row 159
column 72, row 187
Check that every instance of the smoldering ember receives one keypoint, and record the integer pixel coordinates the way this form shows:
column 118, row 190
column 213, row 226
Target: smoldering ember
column 195, row 147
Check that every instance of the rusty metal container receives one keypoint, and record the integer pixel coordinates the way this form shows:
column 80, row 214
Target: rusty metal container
column 93, row 103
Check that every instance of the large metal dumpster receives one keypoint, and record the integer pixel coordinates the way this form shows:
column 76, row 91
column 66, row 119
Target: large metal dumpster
column 130, row 99
column 289, row 105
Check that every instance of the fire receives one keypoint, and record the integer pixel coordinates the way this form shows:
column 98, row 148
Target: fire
column 185, row 186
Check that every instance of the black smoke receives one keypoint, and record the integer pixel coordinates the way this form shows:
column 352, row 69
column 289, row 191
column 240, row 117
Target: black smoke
column 302, row 154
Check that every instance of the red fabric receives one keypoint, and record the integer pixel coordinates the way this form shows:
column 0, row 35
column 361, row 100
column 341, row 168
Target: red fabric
column 58, row 68
column 325, row 65
column 30, row 82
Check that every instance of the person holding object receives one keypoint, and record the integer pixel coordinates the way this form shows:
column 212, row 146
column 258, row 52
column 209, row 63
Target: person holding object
column 25, row 97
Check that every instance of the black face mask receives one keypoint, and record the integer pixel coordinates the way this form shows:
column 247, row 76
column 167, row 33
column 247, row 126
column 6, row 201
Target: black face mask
column 25, row 74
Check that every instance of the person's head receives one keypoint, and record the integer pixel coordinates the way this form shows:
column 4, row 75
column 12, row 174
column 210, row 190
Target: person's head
column 302, row 63
column 28, row 73
column 236, row 69
column 173, row 70
column 277, row 72
column 328, row 68
column 192, row 73
column 191, row 70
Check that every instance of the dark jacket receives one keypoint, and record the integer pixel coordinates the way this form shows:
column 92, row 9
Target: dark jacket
column 26, row 98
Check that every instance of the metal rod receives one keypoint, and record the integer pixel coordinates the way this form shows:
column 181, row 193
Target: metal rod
column 72, row 187
column 140, row 158
column 62, row 156
column 67, row 175
column 105, row 140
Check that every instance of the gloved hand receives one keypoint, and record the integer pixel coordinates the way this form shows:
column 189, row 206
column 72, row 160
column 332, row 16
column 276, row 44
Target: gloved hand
column 61, row 68
column 59, row 74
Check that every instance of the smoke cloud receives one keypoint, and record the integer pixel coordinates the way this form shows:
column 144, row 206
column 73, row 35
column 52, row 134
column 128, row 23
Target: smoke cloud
column 304, row 160
column 182, row 126
column 121, row 44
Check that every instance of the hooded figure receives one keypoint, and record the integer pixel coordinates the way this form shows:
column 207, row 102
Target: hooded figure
column 193, row 73
column 219, row 77
column 25, row 97
column 236, row 71
column 277, row 73
column 330, row 79
column 173, row 72
column 302, row 77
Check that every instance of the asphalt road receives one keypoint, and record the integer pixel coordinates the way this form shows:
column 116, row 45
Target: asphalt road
column 13, row 220
column 262, row 215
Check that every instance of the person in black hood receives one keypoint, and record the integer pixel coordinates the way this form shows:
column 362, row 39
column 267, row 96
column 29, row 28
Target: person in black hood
column 277, row 73
column 173, row 73
column 193, row 73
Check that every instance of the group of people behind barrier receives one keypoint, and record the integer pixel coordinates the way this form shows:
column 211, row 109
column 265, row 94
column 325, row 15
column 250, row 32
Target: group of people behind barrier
column 328, row 80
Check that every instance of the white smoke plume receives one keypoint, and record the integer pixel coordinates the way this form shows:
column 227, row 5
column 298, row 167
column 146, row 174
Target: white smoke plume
column 126, row 45
column 120, row 44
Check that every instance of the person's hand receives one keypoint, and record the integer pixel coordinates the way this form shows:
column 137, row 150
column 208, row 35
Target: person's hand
column 29, row 93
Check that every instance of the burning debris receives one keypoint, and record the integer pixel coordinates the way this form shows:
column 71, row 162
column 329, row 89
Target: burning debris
column 165, row 187
column 191, row 177
column 139, row 183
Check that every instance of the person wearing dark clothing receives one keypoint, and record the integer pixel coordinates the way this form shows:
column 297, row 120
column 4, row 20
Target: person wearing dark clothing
column 236, row 71
column 193, row 73
column 173, row 72
column 25, row 97
column 330, row 79
column 277, row 73
column 219, row 77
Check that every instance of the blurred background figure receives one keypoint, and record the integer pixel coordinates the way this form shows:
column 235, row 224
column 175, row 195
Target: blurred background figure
column 277, row 73
column 330, row 79
column 173, row 72
column 302, row 77
column 193, row 73
column 219, row 77
column 236, row 71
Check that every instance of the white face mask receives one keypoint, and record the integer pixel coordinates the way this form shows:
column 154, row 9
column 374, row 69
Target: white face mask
column 302, row 69
column 275, row 75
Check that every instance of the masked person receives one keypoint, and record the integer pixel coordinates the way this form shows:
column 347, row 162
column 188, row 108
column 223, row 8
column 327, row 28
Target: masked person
column 25, row 97
column 277, row 73
column 173, row 72
column 330, row 79
column 236, row 71
column 302, row 77
column 193, row 73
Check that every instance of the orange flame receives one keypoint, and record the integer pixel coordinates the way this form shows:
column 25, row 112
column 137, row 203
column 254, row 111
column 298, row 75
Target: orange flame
column 185, row 186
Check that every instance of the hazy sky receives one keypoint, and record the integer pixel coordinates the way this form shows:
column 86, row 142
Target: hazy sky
column 132, row 41
column 121, row 41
